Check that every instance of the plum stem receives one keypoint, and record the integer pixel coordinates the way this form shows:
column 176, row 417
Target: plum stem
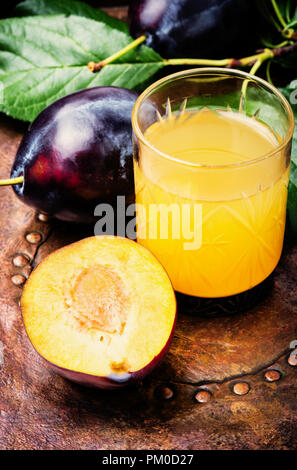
column 216, row 63
column 290, row 34
column 262, row 55
column 279, row 51
column 255, row 67
column 288, row 27
column 245, row 61
column 278, row 13
column 274, row 46
column 12, row 181
column 288, row 12
column 253, row 71
column 268, row 74
column 96, row 66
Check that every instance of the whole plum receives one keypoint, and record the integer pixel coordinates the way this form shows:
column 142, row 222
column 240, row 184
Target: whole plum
column 78, row 153
column 194, row 28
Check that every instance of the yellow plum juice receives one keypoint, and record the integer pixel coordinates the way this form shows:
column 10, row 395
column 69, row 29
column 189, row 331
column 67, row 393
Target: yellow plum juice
column 211, row 191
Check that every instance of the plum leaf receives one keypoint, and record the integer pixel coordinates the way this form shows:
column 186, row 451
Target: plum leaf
column 67, row 7
column 290, row 92
column 43, row 58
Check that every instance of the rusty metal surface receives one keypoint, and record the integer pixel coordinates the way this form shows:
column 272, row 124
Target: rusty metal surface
column 225, row 384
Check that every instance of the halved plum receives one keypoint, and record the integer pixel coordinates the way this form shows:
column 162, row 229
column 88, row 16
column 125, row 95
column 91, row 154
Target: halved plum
column 100, row 311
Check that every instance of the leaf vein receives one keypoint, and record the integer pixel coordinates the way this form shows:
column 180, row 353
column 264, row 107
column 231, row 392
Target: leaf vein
column 51, row 98
column 68, row 36
column 34, row 44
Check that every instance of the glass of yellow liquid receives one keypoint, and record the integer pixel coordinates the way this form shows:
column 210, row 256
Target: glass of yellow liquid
column 211, row 164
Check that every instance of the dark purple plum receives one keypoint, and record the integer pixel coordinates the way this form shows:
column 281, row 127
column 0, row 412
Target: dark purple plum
column 194, row 28
column 78, row 153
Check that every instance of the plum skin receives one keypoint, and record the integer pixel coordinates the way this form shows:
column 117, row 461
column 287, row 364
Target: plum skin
column 78, row 153
column 112, row 381
column 192, row 28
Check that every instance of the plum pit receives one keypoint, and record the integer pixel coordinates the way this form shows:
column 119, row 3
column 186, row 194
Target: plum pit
column 99, row 300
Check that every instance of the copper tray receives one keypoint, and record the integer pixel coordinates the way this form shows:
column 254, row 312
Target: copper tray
column 227, row 382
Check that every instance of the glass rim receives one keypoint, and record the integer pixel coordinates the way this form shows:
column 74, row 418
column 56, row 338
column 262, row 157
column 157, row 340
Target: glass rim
column 220, row 71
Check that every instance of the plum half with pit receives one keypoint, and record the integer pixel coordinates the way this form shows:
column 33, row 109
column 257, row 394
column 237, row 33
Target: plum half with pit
column 194, row 28
column 100, row 311
column 78, row 153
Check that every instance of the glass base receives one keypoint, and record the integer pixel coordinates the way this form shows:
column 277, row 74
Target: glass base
column 224, row 306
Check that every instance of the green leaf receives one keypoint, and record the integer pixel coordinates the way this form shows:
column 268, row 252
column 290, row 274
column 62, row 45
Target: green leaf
column 290, row 92
column 68, row 7
column 288, row 10
column 43, row 58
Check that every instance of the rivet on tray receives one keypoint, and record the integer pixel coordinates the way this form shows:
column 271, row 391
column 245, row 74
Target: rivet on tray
column 202, row 396
column 166, row 393
column 272, row 375
column 241, row 388
column 43, row 217
column 20, row 260
column 33, row 238
column 292, row 359
column 18, row 279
